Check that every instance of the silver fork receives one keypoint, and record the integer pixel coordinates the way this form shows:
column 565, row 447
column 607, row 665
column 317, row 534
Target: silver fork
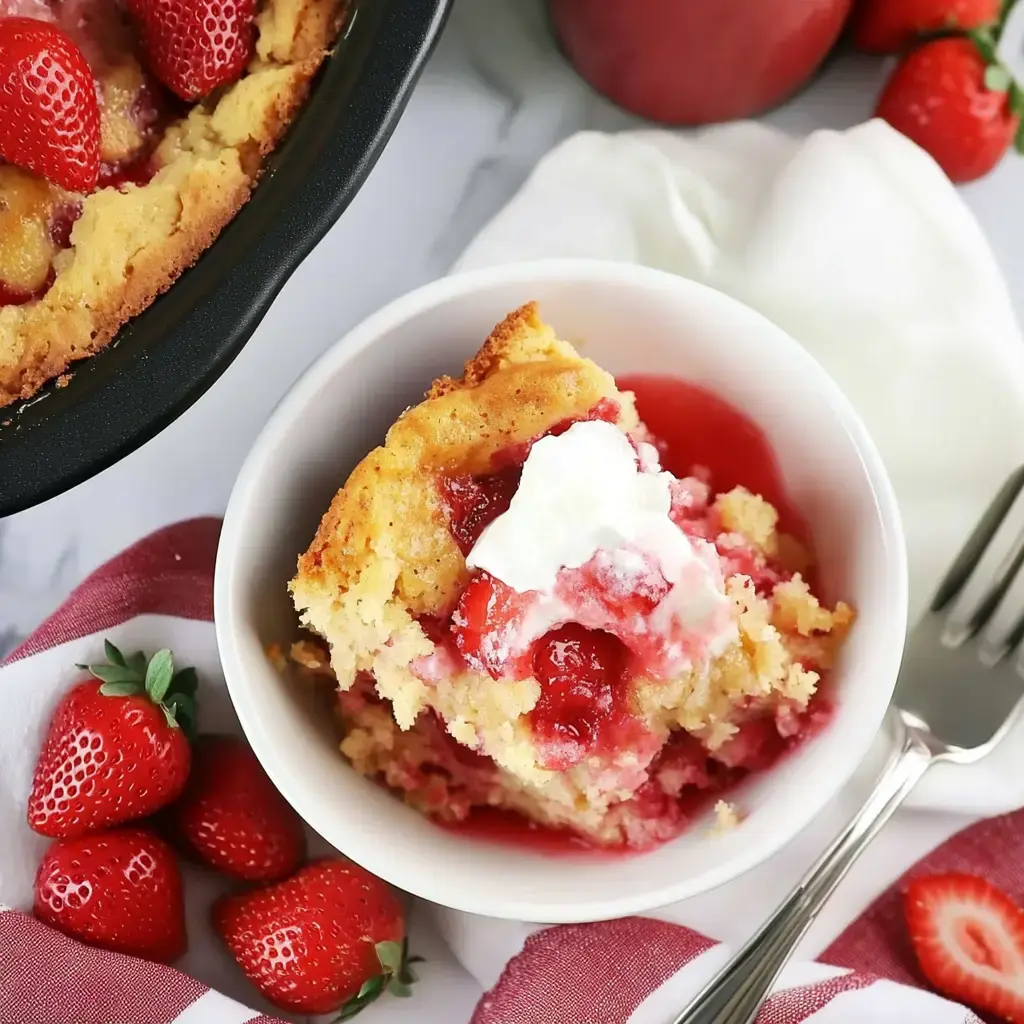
column 958, row 692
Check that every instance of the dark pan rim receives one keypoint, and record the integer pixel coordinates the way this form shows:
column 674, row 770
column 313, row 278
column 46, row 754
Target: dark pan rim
column 169, row 355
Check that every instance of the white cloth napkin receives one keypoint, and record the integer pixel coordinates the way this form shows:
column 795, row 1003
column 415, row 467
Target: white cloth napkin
column 857, row 245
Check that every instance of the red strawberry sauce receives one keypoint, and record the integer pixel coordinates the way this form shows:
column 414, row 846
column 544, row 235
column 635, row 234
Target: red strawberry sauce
column 582, row 709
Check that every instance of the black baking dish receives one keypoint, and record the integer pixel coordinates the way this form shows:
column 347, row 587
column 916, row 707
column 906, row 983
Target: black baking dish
column 165, row 358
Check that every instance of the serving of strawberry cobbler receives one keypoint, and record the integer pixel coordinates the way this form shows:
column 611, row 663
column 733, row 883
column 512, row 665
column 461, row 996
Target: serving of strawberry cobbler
column 131, row 133
column 534, row 602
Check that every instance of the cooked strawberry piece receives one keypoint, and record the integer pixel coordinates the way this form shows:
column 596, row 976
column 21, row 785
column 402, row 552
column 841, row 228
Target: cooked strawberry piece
column 135, row 172
column 120, row 890
column 488, row 628
column 473, row 502
column 755, row 746
column 62, row 221
column 194, row 46
column 968, row 936
column 232, row 817
column 15, row 297
column 330, row 936
column 35, row 224
column 614, row 594
column 583, row 705
column 49, row 115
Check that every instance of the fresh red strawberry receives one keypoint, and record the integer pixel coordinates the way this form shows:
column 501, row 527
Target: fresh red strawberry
column 955, row 105
column 233, row 818
column 889, row 26
column 116, row 748
column 193, row 46
column 969, row 940
column 330, row 936
column 49, row 114
column 120, row 890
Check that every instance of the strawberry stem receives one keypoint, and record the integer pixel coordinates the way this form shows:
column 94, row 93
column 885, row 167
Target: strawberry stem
column 396, row 977
column 154, row 678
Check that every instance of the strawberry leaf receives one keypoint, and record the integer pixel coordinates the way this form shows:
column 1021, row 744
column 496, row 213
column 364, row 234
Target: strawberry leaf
column 396, row 976
column 997, row 78
column 119, row 689
column 370, row 991
column 399, row 988
column 986, row 44
column 182, row 705
column 114, row 674
column 1017, row 100
column 372, row 987
column 390, row 955
column 159, row 675
column 114, row 656
column 173, row 692
column 185, row 682
column 1019, row 141
column 182, row 709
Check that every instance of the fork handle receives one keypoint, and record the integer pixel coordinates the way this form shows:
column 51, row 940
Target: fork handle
column 737, row 993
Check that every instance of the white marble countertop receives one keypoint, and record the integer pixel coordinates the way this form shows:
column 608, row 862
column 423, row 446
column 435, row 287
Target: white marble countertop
column 495, row 96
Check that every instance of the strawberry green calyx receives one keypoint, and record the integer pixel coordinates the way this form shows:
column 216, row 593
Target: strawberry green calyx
column 997, row 76
column 135, row 676
column 396, row 976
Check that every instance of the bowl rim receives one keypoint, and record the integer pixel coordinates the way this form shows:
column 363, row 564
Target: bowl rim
column 415, row 879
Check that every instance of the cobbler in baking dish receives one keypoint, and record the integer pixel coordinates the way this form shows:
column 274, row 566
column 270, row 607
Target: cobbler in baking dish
column 523, row 610
column 130, row 135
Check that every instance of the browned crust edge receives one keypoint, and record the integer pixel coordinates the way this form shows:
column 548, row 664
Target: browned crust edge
column 205, row 214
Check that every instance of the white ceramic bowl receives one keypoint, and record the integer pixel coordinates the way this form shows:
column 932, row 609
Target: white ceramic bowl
column 631, row 320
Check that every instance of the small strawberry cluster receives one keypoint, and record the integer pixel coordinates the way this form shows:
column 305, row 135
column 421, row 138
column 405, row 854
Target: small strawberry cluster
column 950, row 92
column 123, row 780
column 49, row 110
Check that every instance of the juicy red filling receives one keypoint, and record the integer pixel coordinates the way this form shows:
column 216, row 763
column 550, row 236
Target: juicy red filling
column 64, row 217
column 132, row 172
column 473, row 501
column 16, row 297
column 582, row 708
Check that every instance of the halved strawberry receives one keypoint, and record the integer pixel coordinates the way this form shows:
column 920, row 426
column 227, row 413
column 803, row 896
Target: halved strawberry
column 49, row 114
column 969, row 940
column 194, row 46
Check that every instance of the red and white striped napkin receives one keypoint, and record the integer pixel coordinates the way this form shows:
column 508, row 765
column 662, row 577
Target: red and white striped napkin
column 629, row 971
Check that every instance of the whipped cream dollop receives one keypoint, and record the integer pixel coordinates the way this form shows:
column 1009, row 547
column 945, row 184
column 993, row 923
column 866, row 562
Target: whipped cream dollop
column 588, row 494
